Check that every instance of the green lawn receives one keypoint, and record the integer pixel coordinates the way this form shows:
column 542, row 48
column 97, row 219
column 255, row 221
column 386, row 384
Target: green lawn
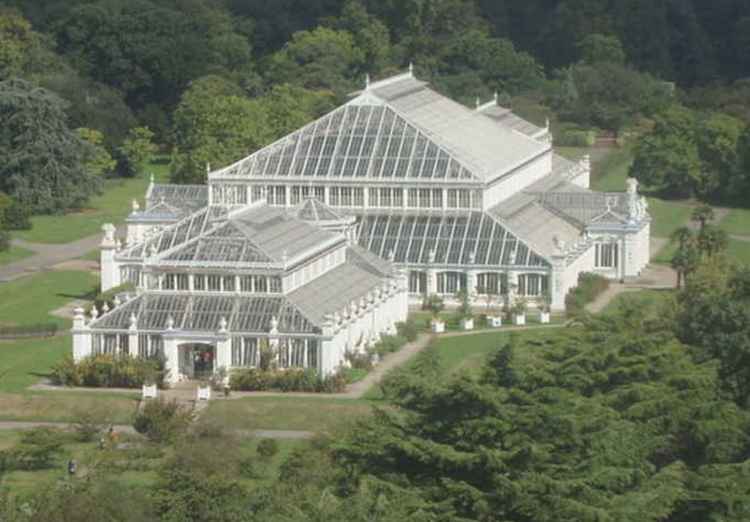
column 112, row 206
column 14, row 253
column 30, row 299
column 321, row 415
column 650, row 300
column 24, row 362
column 668, row 215
column 608, row 174
column 737, row 222
column 739, row 250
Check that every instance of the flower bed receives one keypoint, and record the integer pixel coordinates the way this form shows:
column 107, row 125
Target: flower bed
column 291, row 380
column 33, row 330
column 107, row 371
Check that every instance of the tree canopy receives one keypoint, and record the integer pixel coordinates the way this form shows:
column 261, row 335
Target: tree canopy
column 42, row 158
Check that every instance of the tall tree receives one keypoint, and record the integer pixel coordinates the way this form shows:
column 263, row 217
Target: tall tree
column 214, row 124
column 42, row 163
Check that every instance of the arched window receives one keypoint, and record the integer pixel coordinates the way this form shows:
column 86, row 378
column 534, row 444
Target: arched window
column 417, row 282
column 532, row 285
column 451, row 282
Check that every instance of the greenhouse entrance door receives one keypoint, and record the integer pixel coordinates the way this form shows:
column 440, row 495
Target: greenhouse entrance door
column 197, row 360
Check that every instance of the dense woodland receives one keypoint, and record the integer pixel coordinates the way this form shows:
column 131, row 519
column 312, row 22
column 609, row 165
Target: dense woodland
column 87, row 87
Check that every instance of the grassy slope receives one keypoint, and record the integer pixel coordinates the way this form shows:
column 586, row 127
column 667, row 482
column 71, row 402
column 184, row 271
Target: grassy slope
column 30, row 299
column 112, row 206
column 14, row 253
column 737, row 222
column 286, row 413
column 23, row 482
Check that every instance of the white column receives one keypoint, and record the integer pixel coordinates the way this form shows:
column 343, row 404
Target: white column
column 171, row 359
column 224, row 353
column 557, row 285
column 110, row 271
column 81, row 336
column 405, row 198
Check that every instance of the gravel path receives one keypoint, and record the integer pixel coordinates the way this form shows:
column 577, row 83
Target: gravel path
column 46, row 256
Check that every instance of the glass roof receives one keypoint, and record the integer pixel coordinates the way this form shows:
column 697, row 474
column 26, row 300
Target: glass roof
column 354, row 141
column 473, row 238
column 249, row 314
column 188, row 228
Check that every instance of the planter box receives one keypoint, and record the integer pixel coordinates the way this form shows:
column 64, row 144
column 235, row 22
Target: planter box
column 149, row 392
column 467, row 323
column 494, row 321
column 437, row 326
column 519, row 319
column 204, row 393
column 544, row 317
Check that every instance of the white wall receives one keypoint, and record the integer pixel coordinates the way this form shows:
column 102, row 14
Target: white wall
column 518, row 180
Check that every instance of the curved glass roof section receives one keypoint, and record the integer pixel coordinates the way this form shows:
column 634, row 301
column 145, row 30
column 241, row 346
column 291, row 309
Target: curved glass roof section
column 473, row 238
column 354, row 141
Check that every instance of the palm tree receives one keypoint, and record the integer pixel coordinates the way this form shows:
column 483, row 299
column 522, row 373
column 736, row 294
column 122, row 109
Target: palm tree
column 702, row 214
column 682, row 236
column 712, row 240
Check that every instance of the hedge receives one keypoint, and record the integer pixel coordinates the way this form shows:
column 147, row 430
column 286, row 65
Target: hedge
column 291, row 380
column 108, row 371
column 33, row 330
column 589, row 287
column 576, row 138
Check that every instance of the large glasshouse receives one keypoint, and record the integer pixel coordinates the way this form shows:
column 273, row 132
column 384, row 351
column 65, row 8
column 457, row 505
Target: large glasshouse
column 318, row 242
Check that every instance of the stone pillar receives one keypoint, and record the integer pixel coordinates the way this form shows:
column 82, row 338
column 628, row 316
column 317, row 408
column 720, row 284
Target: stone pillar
column 273, row 338
column 224, row 352
column 558, row 287
column 512, row 286
column 110, row 275
column 471, row 284
column 171, row 359
column 133, row 336
column 81, row 336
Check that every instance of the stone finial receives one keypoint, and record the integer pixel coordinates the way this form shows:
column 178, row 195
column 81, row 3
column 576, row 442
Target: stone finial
column 109, row 234
column 118, row 245
column 105, row 308
column 478, row 102
column 632, row 185
column 367, row 81
column 495, row 97
column 391, row 255
column 170, row 322
column 152, row 250
column 94, row 312
column 586, row 162
column 411, row 69
column 431, row 256
column 223, row 324
column 116, row 301
column 274, row 324
column 208, row 168
column 78, row 313
column 136, row 206
column 133, row 321
column 546, row 125
column 151, row 179
column 472, row 257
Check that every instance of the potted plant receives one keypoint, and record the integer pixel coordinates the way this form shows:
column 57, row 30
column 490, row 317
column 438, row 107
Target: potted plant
column 519, row 312
column 544, row 308
column 464, row 310
column 434, row 304
column 494, row 317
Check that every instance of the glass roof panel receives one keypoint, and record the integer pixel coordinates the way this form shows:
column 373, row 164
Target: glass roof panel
column 354, row 141
column 454, row 239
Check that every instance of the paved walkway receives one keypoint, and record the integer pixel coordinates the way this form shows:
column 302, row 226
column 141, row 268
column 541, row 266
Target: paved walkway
column 46, row 256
